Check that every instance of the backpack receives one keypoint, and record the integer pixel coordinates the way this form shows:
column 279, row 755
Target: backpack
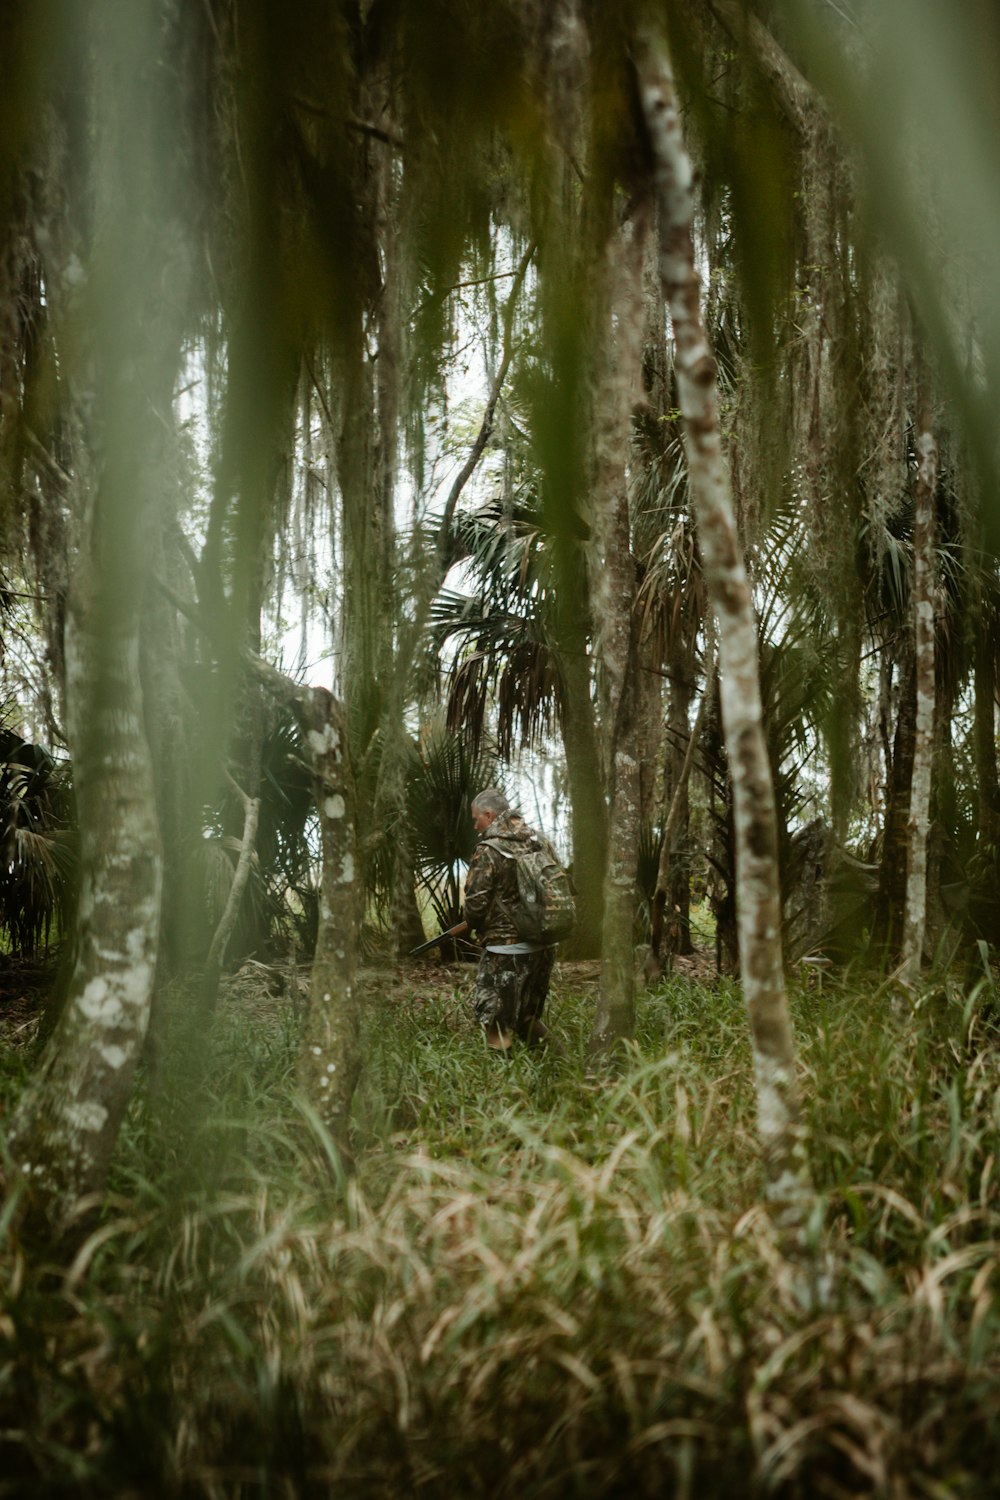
column 545, row 910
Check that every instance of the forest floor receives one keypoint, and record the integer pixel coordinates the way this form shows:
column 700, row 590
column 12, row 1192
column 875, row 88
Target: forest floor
column 536, row 1281
column 24, row 986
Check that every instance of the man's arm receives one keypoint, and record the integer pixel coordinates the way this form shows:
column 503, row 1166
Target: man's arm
column 480, row 884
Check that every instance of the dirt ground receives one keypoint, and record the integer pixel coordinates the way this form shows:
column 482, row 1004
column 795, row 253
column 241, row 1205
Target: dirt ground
column 24, row 985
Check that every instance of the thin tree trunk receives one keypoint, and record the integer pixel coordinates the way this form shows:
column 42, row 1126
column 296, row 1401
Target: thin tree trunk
column 891, row 894
column 944, row 817
column 330, row 1059
column 985, row 733
column 241, row 875
column 756, row 825
column 915, row 914
column 164, row 701
column 675, row 820
column 616, row 632
column 674, row 878
column 330, row 1056
column 489, row 415
column 587, row 805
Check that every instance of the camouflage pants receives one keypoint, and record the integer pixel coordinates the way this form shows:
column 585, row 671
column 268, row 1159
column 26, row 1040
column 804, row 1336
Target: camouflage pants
column 511, row 989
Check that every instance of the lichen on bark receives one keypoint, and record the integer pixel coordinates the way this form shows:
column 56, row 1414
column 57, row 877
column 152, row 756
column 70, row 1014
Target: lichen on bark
column 758, row 890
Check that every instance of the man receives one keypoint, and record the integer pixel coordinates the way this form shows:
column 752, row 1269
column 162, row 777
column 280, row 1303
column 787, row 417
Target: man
column 512, row 982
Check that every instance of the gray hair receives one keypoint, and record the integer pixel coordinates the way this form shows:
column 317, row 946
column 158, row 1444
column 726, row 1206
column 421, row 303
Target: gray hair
column 491, row 801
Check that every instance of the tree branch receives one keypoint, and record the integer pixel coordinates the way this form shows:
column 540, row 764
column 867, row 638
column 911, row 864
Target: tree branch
column 486, row 428
column 795, row 95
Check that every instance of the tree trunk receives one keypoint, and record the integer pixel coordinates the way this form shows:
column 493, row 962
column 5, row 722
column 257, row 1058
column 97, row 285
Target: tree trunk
column 68, row 1119
column 330, row 1059
column 891, row 895
column 124, row 304
column 759, row 898
column 241, row 876
column 944, row 819
column 587, row 805
column 682, row 743
column 164, row 701
column 915, row 915
column 985, row 733
column 985, row 892
column 613, row 589
column 674, row 826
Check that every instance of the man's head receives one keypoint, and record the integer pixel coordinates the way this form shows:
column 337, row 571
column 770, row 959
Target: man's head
column 487, row 807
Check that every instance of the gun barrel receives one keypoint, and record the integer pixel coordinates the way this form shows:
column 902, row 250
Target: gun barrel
column 440, row 937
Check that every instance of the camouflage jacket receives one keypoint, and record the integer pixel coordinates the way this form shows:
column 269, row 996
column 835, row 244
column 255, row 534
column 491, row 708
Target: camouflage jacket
column 491, row 884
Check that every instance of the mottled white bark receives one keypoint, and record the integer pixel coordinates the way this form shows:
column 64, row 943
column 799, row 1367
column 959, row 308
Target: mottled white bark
column 68, row 1119
column 330, row 1060
column 654, row 965
column 117, row 293
column 918, row 824
column 758, row 896
column 613, row 591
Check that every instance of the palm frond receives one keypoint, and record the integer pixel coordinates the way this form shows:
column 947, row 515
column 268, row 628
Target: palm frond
column 446, row 772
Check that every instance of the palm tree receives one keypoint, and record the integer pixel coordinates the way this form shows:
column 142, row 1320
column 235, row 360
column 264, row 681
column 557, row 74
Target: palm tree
column 512, row 661
column 447, row 770
column 728, row 588
column 38, row 847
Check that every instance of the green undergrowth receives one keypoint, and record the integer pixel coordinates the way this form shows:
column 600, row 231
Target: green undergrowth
column 536, row 1282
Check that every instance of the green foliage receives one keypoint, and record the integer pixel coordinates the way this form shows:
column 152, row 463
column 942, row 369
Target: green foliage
column 38, row 844
column 282, row 900
column 446, row 771
column 508, row 658
column 535, row 1283
column 914, row 91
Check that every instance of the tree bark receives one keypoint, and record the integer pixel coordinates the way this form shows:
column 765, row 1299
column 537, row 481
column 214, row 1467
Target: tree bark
column 241, row 875
column 984, row 730
column 588, row 812
column 675, row 821
column 616, row 625
column 330, row 1059
column 165, row 708
column 121, row 291
column 915, row 914
column 756, row 826
column 67, row 1121
column 985, row 884
column 891, row 894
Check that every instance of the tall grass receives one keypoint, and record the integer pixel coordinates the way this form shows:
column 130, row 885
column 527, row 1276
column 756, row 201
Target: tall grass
column 535, row 1284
